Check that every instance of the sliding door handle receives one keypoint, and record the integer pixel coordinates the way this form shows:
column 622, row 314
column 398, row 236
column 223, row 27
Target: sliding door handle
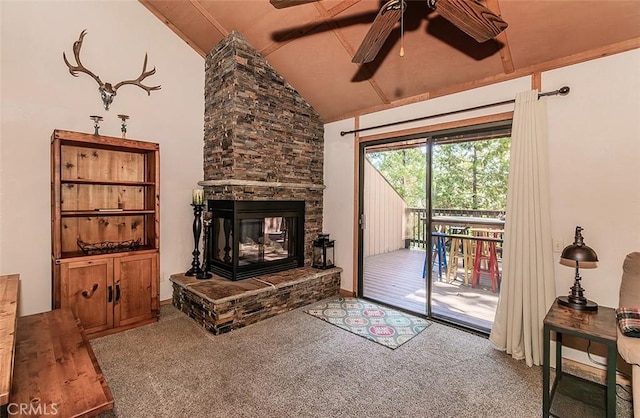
column 363, row 221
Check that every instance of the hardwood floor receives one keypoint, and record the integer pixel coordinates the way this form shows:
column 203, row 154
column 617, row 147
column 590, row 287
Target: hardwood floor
column 395, row 278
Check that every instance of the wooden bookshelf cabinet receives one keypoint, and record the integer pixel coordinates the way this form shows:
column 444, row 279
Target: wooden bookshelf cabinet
column 105, row 230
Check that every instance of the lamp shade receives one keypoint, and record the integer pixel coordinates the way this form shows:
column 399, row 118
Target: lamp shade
column 578, row 251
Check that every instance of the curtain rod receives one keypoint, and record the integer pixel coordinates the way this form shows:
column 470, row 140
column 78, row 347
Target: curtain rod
column 562, row 91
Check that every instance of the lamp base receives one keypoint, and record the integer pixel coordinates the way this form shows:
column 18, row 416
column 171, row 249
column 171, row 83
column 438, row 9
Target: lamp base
column 588, row 305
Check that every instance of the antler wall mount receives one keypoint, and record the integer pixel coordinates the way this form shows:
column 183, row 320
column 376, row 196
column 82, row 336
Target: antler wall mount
column 107, row 90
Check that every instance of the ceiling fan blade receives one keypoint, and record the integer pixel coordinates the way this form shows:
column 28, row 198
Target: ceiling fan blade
column 281, row 4
column 471, row 17
column 378, row 32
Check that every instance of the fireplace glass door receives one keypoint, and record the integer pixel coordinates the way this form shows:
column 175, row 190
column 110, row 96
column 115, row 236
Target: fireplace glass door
column 249, row 238
column 265, row 239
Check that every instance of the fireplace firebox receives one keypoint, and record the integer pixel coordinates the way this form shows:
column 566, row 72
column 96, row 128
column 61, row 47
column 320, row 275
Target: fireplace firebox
column 250, row 238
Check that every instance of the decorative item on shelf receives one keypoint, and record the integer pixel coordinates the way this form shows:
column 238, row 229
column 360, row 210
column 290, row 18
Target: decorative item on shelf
column 96, row 123
column 323, row 252
column 107, row 91
column 109, row 246
column 195, row 269
column 197, row 197
column 123, row 127
column 572, row 256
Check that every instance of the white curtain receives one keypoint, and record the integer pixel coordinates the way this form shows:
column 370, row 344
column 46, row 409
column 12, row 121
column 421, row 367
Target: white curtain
column 528, row 283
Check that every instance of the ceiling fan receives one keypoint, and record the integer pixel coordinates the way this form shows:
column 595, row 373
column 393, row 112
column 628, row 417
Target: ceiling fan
column 469, row 16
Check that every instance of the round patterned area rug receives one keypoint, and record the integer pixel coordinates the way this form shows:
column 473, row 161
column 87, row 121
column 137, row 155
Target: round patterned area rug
column 377, row 323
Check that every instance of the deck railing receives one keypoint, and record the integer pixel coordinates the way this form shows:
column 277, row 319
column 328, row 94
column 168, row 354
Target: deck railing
column 476, row 213
column 417, row 226
column 417, row 222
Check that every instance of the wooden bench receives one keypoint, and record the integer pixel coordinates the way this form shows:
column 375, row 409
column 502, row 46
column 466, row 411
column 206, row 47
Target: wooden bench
column 8, row 315
column 55, row 372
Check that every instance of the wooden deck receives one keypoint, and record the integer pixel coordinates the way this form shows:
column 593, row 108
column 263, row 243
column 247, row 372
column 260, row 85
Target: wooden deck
column 395, row 278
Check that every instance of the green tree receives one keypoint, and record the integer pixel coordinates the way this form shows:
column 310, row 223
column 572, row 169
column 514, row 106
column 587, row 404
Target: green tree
column 466, row 175
column 471, row 175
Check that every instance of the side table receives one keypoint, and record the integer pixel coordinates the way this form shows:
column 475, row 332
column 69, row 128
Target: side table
column 599, row 326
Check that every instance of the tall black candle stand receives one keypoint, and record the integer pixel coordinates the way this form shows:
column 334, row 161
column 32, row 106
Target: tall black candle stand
column 195, row 269
column 205, row 247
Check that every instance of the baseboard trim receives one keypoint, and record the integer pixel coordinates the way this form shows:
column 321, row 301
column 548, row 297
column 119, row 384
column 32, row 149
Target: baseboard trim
column 592, row 373
column 347, row 293
column 166, row 302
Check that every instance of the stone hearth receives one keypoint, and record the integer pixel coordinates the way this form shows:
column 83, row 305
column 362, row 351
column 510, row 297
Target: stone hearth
column 221, row 305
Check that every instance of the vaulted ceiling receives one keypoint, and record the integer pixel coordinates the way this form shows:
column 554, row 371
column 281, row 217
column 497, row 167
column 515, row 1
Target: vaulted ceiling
column 311, row 45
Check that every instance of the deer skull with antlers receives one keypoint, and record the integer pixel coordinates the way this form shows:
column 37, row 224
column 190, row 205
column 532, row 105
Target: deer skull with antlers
column 107, row 91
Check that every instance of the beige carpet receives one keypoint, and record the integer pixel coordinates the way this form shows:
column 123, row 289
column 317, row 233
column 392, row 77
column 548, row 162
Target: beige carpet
column 293, row 365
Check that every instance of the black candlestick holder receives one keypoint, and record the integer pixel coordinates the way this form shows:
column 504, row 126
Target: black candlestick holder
column 195, row 269
column 205, row 246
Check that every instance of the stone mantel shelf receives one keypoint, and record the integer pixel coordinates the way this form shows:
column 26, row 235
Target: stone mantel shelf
column 255, row 183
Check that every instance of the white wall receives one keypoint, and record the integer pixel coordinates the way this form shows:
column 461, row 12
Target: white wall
column 39, row 95
column 339, row 195
column 594, row 150
column 471, row 98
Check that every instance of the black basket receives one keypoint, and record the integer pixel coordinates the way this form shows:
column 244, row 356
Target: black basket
column 109, row 246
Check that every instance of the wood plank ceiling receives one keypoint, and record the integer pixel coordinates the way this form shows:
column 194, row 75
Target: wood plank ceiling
column 311, row 45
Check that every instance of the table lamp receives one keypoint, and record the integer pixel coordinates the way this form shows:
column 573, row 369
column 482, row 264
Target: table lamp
column 575, row 254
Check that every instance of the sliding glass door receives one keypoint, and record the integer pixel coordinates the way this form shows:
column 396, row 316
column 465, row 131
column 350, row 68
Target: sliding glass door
column 432, row 213
column 393, row 179
column 469, row 175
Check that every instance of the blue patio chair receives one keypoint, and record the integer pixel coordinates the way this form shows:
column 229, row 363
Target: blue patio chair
column 439, row 251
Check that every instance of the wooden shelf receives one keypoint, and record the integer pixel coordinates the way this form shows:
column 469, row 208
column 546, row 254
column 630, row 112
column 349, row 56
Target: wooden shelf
column 75, row 213
column 104, row 142
column 109, row 182
column 80, row 254
column 105, row 190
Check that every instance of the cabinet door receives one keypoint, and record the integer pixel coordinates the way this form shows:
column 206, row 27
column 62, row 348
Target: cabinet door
column 86, row 287
column 136, row 286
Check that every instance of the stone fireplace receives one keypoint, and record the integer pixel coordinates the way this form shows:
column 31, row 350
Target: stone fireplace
column 263, row 179
column 262, row 140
